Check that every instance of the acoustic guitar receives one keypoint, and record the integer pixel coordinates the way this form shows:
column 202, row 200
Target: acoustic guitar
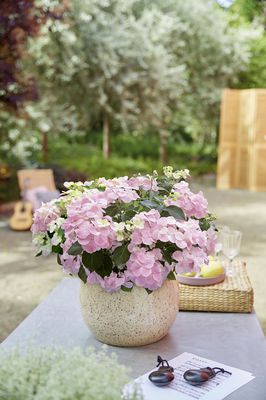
column 21, row 220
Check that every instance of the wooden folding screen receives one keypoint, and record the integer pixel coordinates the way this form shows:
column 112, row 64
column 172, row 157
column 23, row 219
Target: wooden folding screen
column 242, row 140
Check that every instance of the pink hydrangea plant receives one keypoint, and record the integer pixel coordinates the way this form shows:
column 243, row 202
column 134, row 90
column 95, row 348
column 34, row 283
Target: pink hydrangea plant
column 125, row 231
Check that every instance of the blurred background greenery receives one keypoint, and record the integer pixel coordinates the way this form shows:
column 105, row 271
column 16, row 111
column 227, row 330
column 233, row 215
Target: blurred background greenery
column 114, row 87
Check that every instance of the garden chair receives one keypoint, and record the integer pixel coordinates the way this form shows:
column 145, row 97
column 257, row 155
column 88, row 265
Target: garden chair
column 37, row 186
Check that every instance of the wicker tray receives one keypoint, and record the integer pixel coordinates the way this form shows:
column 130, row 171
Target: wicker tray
column 234, row 294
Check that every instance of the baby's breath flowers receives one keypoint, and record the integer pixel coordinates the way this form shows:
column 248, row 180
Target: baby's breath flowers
column 55, row 373
column 127, row 231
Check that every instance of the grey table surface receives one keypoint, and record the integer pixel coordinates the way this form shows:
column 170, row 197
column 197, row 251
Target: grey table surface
column 233, row 339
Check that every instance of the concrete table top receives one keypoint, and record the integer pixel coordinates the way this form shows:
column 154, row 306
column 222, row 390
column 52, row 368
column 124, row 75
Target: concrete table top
column 233, row 339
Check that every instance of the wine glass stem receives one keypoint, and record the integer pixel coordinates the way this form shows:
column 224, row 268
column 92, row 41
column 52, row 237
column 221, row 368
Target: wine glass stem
column 230, row 271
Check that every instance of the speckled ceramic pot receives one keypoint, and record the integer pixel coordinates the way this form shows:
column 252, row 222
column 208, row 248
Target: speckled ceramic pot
column 131, row 318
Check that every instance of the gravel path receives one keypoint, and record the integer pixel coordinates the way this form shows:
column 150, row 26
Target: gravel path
column 25, row 280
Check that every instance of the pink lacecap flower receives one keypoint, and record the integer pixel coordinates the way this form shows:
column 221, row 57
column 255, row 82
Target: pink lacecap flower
column 94, row 278
column 190, row 260
column 148, row 233
column 47, row 213
column 144, row 183
column 144, row 268
column 70, row 264
column 193, row 205
column 87, row 223
column 157, row 228
column 139, row 182
column 111, row 283
column 192, row 233
column 211, row 241
column 119, row 189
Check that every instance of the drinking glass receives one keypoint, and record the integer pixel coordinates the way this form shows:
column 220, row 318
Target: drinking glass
column 230, row 241
column 220, row 230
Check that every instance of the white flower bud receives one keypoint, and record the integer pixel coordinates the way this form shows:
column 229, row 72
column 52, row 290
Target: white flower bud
column 102, row 222
column 168, row 171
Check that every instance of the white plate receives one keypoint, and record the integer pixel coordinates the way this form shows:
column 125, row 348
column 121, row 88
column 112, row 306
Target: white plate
column 188, row 280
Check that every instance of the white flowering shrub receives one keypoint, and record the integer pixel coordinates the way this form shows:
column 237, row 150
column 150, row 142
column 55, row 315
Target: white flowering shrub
column 57, row 374
column 17, row 138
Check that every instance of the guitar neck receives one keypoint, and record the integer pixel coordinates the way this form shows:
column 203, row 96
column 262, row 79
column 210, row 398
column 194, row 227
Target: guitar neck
column 24, row 190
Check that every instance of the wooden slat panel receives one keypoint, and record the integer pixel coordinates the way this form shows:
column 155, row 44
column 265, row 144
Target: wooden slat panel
column 258, row 180
column 229, row 116
column 260, row 128
column 242, row 140
column 226, row 167
column 242, row 168
column 247, row 116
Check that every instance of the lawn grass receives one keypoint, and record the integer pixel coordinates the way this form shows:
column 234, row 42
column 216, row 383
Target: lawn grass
column 131, row 155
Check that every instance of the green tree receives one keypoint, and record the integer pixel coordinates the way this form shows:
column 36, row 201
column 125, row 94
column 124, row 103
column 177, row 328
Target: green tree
column 110, row 65
column 138, row 64
column 213, row 54
column 252, row 12
column 248, row 10
column 20, row 20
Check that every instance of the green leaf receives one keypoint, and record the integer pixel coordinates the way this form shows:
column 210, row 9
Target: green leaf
column 111, row 210
column 128, row 215
column 160, row 244
column 173, row 211
column 204, row 225
column 162, row 189
column 93, row 261
column 126, row 289
column 106, row 267
column 121, row 255
column 171, row 276
column 57, row 249
column 38, row 254
column 101, row 188
column 82, row 274
column 167, row 249
column 165, row 184
column 99, row 262
column 149, row 204
column 167, row 255
column 58, row 259
column 157, row 198
column 75, row 249
column 60, row 232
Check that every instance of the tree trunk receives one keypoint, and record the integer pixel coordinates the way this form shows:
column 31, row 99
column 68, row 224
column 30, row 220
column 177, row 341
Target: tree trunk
column 106, row 137
column 45, row 147
column 163, row 146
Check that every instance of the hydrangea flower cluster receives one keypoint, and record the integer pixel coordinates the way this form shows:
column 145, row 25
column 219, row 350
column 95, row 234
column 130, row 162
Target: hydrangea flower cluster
column 125, row 231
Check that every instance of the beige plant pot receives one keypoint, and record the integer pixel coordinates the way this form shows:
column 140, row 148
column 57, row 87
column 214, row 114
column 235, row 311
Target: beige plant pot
column 133, row 318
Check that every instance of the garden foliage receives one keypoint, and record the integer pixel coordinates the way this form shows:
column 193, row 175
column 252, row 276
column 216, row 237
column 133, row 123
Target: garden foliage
column 135, row 64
